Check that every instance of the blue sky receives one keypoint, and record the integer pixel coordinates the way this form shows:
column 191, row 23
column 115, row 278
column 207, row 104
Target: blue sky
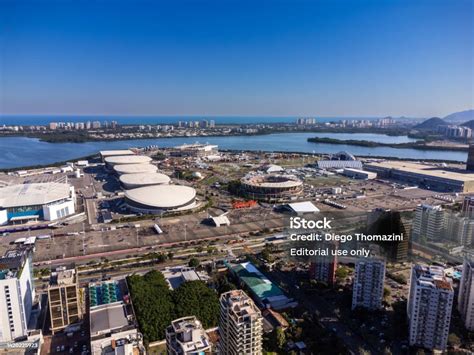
column 223, row 57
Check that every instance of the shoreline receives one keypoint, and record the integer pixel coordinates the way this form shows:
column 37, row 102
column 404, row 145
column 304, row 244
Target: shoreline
column 371, row 144
column 90, row 156
column 79, row 137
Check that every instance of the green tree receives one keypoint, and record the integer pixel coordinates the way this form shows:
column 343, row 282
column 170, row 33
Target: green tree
column 193, row 262
column 195, row 298
column 341, row 273
column 153, row 304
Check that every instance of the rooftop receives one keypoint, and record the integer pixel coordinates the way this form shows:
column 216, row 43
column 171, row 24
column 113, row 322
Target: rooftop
column 179, row 274
column 127, row 159
column 432, row 277
column 135, row 168
column 33, row 194
column 240, row 303
column 145, row 179
column 190, row 335
column 272, row 181
column 109, row 153
column 108, row 317
column 303, row 207
column 424, row 169
column 162, row 196
column 104, row 293
column 256, row 281
column 12, row 262
column 63, row 276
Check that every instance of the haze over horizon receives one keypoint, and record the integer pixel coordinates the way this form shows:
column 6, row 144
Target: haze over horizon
column 237, row 58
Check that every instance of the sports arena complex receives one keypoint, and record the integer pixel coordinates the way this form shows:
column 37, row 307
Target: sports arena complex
column 111, row 161
column 30, row 202
column 135, row 168
column 271, row 187
column 156, row 199
column 133, row 181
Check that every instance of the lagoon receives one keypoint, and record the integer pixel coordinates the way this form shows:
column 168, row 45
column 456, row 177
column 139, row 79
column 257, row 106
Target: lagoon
column 22, row 151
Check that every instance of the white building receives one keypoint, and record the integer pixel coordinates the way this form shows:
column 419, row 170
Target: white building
column 367, row 291
column 429, row 307
column 428, row 222
column 186, row 336
column 240, row 325
column 30, row 202
column 459, row 229
column 466, row 295
column 359, row 174
column 3, row 217
column 16, row 293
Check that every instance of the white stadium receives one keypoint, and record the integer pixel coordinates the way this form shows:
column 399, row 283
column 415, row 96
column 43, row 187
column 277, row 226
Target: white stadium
column 160, row 198
column 126, row 159
column 133, row 181
column 135, row 169
column 110, row 153
column 30, row 202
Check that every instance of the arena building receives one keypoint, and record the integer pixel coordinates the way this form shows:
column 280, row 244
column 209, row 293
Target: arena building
column 135, row 169
column 133, row 181
column 30, row 202
column 112, row 153
column 110, row 162
column 194, row 150
column 271, row 187
column 425, row 176
column 160, row 198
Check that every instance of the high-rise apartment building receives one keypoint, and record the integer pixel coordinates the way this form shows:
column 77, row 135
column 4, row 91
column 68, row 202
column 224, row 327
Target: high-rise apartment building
column 186, row 336
column 466, row 295
column 17, row 293
column 459, row 229
column 53, row 125
column 240, row 325
column 429, row 307
column 323, row 268
column 468, row 206
column 428, row 223
column 367, row 291
column 65, row 304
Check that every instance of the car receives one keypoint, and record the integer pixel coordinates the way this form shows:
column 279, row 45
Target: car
column 58, row 349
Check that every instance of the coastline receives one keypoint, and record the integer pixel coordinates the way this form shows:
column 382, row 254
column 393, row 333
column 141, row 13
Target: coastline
column 420, row 145
column 90, row 156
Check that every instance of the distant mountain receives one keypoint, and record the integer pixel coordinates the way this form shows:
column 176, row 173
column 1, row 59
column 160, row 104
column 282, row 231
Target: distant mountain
column 431, row 123
column 469, row 124
column 462, row 116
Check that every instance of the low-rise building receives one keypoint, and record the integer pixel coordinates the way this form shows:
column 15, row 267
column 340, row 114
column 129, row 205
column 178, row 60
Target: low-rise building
column 113, row 327
column 359, row 174
column 426, row 176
